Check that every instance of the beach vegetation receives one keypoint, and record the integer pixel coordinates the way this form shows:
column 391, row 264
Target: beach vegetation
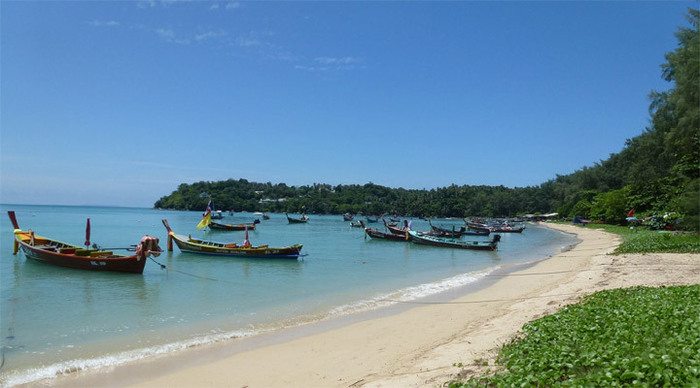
column 635, row 336
column 645, row 240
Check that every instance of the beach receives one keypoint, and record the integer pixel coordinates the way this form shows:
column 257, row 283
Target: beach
column 425, row 345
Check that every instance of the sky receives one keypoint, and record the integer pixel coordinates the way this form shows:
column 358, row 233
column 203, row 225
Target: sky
column 117, row 103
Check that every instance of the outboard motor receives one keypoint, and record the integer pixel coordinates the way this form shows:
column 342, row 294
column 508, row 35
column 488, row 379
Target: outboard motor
column 496, row 238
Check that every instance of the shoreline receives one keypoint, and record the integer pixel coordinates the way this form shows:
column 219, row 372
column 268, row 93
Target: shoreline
column 130, row 352
column 415, row 343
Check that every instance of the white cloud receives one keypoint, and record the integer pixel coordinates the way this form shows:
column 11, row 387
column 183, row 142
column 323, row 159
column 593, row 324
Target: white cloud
column 163, row 3
column 146, row 4
column 247, row 41
column 209, row 35
column 285, row 56
column 214, row 6
column 337, row 61
column 332, row 63
column 233, row 5
column 164, row 33
column 311, row 68
column 169, row 36
column 103, row 23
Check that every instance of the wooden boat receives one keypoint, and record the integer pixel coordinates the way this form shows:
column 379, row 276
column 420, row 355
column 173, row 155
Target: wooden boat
column 348, row 217
column 420, row 238
column 472, row 232
column 442, row 232
column 507, row 229
column 73, row 256
column 396, row 230
column 357, row 224
column 374, row 233
column 372, row 220
column 239, row 227
column 304, row 219
column 495, row 228
column 189, row 244
column 478, row 226
column 217, row 215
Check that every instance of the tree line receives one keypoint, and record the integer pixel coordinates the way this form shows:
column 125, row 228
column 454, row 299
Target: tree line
column 657, row 172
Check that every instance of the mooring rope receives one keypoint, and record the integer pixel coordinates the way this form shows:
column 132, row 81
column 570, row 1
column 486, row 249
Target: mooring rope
column 162, row 266
column 195, row 275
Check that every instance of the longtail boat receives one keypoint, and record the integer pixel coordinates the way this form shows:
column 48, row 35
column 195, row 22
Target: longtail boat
column 442, row 232
column 390, row 223
column 396, row 230
column 495, row 228
column 189, row 244
column 372, row 220
column 421, row 238
column 240, row 227
column 473, row 232
column 304, row 219
column 478, row 226
column 374, row 233
column 357, row 224
column 265, row 216
column 507, row 229
column 73, row 256
column 348, row 217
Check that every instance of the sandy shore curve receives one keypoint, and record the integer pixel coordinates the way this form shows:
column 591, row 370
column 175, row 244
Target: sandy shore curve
column 425, row 345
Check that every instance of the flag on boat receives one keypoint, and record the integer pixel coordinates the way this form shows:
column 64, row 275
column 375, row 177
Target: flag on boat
column 630, row 213
column 246, row 241
column 206, row 219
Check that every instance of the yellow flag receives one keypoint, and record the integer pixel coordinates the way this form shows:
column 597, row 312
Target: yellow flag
column 205, row 221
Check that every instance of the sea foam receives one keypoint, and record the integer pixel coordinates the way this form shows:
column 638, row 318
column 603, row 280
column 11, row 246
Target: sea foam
column 403, row 295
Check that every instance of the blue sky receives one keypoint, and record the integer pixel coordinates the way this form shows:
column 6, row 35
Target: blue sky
column 116, row 103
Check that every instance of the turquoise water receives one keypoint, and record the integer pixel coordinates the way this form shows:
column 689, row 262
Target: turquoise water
column 57, row 319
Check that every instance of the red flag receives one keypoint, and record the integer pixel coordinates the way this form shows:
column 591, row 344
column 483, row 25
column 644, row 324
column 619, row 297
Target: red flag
column 630, row 213
column 208, row 209
column 87, row 233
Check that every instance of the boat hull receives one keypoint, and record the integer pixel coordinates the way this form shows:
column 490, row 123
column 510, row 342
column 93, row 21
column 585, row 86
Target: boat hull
column 296, row 220
column 396, row 231
column 217, row 249
column 92, row 260
column 476, row 233
column 373, row 233
column 452, row 243
column 239, row 227
column 509, row 230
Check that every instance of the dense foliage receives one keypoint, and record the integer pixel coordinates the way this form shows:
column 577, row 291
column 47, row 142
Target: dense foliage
column 640, row 335
column 369, row 199
column 655, row 173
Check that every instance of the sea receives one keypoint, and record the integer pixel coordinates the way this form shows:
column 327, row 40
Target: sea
column 57, row 320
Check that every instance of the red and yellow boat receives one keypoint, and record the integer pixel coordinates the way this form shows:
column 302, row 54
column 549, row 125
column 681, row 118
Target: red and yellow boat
column 73, row 256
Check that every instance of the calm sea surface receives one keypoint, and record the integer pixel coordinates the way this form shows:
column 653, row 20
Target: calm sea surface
column 57, row 319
